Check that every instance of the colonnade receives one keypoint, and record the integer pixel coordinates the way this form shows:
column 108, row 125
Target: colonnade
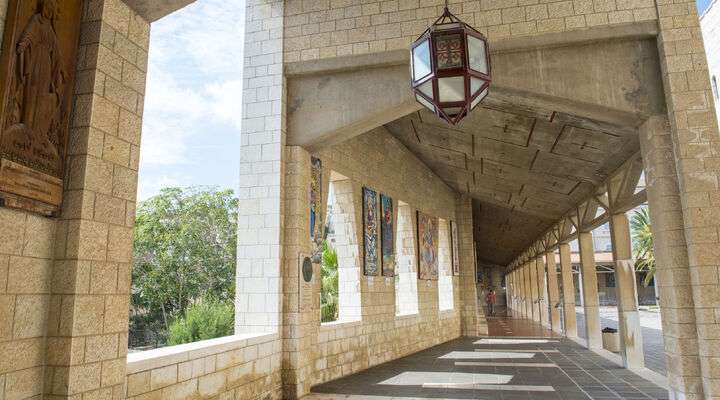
column 533, row 291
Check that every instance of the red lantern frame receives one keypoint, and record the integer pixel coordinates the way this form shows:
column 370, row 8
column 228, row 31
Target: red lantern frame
column 449, row 27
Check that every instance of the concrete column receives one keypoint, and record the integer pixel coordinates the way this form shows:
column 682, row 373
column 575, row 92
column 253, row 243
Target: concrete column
column 519, row 305
column 672, row 261
column 553, row 292
column 591, row 302
column 527, row 298
column 630, row 330
column 534, row 292
column 542, row 292
column 529, row 293
column 568, row 291
column 508, row 293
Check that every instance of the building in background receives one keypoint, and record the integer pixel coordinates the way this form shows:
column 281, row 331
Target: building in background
column 710, row 24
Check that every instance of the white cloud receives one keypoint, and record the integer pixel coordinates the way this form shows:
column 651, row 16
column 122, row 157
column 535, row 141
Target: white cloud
column 194, row 81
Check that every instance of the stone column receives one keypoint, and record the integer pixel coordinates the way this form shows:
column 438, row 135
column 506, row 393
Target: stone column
column 672, row 261
column 261, row 174
column 695, row 148
column 568, row 291
column 591, row 302
column 629, row 319
column 569, row 315
column 87, row 329
column 553, row 292
column 473, row 322
column 300, row 313
column 542, row 292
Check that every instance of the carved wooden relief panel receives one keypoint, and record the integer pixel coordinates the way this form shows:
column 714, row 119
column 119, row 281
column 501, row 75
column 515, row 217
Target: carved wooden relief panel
column 37, row 71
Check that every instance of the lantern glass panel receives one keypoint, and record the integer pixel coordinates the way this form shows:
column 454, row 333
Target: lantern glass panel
column 425, row 102
column 477, row 54
column 449, row 49
column 421, row 60
column 475, row 85
column 427, row 89
column 478, row 99
column 451, row 89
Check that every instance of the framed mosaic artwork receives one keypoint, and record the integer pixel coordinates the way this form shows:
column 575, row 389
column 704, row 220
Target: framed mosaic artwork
column 371, row 219
column 455, row 248
column 427, row 236
column 387, row 235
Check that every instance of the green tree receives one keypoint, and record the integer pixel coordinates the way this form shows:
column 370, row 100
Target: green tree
column 643, row 250
column 184, row 250
column 329, row 284
column 207, row 319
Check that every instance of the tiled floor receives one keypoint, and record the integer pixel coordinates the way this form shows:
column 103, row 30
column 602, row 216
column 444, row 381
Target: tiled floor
column 497, row 368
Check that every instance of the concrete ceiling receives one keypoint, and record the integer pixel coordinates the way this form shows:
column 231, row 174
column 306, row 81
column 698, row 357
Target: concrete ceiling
column 562, row 114
column 524, row 167
column 153, row 10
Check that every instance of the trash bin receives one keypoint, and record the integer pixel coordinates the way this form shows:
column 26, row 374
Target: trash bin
column 611, row 340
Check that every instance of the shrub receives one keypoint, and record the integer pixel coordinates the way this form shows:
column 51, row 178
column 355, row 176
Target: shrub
column 329, row 282
column 204, row 320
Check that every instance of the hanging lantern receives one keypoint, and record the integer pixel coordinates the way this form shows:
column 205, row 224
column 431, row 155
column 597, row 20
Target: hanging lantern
column 450, row 68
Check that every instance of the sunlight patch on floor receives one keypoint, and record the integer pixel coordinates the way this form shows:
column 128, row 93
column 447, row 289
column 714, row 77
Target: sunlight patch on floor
column 474, row 355
column 422, row 378
column 514, row 341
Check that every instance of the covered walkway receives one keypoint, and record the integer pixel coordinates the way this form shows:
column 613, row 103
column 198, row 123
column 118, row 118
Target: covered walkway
column 540, row 366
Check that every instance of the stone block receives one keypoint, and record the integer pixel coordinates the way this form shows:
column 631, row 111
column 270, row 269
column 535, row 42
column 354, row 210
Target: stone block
column 21, row 354
column 81, row 314
column 120, row 245
column 164, row 376
column 101, row 348
column 28, row 275
column 116, row 313
column 11, row 240
column 83, row 378
column 138, row 383
column 39, row 234
column 23, row 384
column 212, row 384
column 113, row 372
column 30, row 312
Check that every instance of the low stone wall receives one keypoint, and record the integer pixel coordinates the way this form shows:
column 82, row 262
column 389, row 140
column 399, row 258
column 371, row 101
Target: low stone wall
column 234, row 367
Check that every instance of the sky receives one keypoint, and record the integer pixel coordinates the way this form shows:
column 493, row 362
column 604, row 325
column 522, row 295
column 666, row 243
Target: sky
column 702, row 5
column 191, row 127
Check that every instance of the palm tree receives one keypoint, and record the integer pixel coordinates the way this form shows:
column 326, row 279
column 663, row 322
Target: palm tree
column 643, row 250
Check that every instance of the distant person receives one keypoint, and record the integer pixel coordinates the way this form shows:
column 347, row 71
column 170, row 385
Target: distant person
column 490, row 299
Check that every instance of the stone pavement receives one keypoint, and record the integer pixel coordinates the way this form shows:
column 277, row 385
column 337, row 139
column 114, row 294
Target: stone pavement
column 494, row 368
column 653, row 346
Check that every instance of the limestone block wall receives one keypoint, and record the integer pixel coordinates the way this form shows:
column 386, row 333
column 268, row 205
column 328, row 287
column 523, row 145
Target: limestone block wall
column 317, row 29
column 234, row 367
column 26, row 250
column 379, row 161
